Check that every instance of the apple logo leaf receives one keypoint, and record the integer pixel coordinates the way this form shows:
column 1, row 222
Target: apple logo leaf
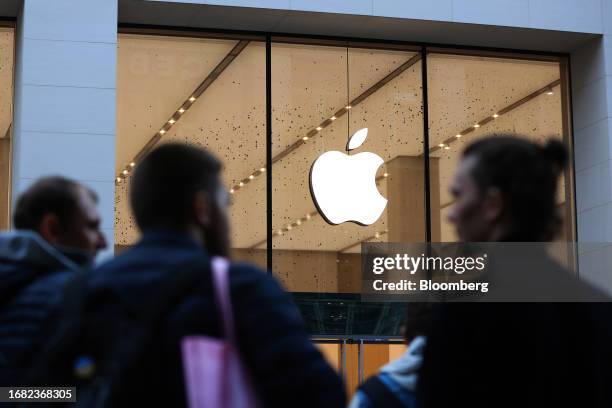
column 357, row 139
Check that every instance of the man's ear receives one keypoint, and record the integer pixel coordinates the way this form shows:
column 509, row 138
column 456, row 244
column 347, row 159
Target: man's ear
column 493, row 204
column 202, row 208
column 50, row 229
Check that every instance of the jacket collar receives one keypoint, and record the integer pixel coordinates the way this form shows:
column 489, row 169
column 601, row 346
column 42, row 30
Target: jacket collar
column 29, row 249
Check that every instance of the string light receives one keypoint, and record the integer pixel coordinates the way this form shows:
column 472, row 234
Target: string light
column 192, row 99
column 305, row 138
column 476, row 125
column 347, row 107
column 495, row 116
column 319, row 128
column 333, row 118
column 171, row 121
column 181, row 110
column 441, row 145
column 458, row 135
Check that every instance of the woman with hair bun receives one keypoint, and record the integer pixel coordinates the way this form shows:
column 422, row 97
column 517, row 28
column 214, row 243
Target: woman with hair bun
column 505, row 189
column 518, row 354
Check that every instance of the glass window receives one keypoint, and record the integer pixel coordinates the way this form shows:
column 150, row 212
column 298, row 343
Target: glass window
column 471, row 97
column 206, row 92
column 322, row 95
column 7, row 38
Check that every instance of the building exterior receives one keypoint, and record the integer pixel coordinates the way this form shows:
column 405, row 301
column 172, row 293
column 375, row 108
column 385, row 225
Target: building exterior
column 88, row 86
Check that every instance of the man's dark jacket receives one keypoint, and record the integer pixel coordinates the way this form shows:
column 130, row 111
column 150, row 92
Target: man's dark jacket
column 32, row 277
column 288, row 371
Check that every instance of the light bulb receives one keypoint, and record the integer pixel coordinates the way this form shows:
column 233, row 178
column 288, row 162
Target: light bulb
column 333, row 118
column 305, row 138
column 476, row 125
column 458, row 135
column 181, row 110
column 319, row 128
column 192, row 99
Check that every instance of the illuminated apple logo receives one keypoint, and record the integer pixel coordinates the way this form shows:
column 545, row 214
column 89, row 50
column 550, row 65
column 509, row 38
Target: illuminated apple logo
column 344, row 188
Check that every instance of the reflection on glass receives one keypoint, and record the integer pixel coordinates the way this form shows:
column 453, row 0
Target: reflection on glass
column 173, row 87
column 6, row 118
column 472, row 97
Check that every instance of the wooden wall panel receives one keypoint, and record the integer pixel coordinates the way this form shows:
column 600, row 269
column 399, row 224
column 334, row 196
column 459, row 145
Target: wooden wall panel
column 5, row 182
column 406, row 207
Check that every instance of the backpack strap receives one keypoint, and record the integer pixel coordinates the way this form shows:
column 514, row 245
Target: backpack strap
column 379, row 394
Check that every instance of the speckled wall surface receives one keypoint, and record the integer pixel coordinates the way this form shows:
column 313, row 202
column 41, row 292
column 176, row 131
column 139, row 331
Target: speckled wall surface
column 310, row 84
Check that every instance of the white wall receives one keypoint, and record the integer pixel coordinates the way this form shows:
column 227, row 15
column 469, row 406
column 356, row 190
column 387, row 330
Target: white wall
column 65, row 96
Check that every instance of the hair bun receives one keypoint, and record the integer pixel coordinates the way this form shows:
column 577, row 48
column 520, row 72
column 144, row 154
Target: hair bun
column 555, row 152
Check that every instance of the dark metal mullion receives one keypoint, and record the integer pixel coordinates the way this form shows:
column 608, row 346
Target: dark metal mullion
column 426, row 143
column 269, row 152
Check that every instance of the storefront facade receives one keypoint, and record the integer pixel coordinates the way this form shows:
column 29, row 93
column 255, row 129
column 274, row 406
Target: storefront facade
column 89, row 87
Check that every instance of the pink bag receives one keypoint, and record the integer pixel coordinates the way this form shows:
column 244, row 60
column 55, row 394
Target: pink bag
column 214, row 374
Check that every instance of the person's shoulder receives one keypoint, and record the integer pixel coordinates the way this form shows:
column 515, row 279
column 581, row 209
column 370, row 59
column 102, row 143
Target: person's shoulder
column 253, row 285
column 244, row 274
